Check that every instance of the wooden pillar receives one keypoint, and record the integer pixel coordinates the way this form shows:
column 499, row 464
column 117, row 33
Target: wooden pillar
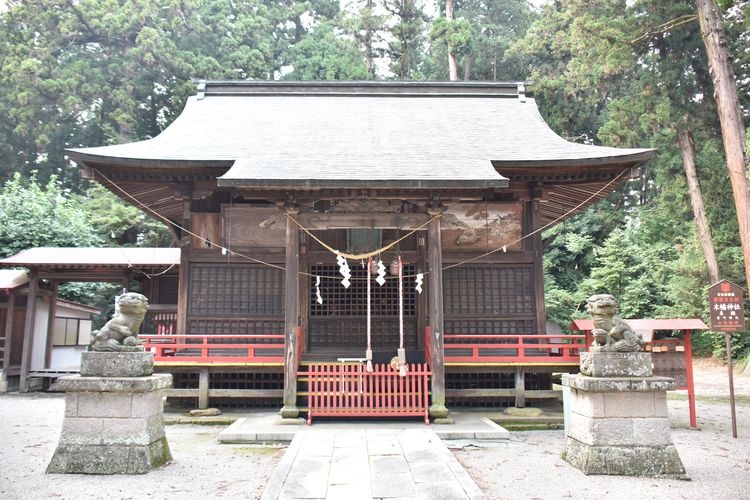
column 438, row 410
column 520, row 387
column 291, row 317
column 422, row 297
column 28, row 330
column 538, row 254
column 9, row 329
column 184, row 275
column 203, row 382
column 51, row 325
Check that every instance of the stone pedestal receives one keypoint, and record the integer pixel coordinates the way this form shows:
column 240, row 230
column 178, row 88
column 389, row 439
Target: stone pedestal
column 618, row 423
column 113, row 424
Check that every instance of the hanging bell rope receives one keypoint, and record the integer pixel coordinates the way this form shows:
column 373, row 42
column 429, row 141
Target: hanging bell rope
column 368, row 352
column 401, row 350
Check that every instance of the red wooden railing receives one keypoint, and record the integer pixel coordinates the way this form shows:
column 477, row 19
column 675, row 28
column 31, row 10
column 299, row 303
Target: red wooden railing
column 349, row 390
column 187, row 349
column 518, row 349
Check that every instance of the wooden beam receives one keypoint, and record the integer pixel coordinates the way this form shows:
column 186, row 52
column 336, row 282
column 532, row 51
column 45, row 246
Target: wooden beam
column 51, row 326
column 501, row 393
column 226, row 393
column 28, row 331
column 438, row 409
column 406, row 222
column 291, row 317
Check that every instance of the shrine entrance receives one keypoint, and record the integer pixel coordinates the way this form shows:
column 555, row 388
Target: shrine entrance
column 337, row 327
column 339, row 324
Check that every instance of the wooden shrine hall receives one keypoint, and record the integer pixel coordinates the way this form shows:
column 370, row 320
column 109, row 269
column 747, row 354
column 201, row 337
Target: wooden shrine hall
column 279, row 191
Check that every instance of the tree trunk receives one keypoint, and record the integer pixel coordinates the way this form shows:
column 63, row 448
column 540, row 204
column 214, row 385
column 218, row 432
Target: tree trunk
column 687, row 151
column 730, row 116
column 369, row 55
column 468, row 63
column 452, row 67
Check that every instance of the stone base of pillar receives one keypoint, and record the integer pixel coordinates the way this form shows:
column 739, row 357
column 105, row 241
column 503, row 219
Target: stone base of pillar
column 112, row 425
column 289, row 411
column 620, row 426
column 439, row 412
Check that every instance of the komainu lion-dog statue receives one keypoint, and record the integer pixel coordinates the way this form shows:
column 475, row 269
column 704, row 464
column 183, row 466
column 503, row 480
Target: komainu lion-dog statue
column 611, row 333
column 121, row 332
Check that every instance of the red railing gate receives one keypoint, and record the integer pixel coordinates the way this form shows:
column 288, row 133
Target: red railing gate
column 349, row 390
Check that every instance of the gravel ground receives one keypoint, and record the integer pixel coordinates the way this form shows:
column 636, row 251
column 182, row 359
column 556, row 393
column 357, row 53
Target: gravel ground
column 527, row 467
column 717, row 464
column 202, row 468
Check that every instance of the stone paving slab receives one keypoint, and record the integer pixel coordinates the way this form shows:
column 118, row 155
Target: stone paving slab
column 265, row 427
column 329, row 464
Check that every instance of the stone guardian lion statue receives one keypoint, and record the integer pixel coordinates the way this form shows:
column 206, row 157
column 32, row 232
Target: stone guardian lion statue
column 611, row 333
column 121, row 332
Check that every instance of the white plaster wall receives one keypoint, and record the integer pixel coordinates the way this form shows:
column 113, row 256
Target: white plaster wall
column 66, row 357
column 40, row 334
column 63, row 357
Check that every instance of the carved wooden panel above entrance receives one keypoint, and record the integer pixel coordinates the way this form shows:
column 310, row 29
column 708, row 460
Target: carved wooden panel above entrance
column 249, row 226
column 482, row 226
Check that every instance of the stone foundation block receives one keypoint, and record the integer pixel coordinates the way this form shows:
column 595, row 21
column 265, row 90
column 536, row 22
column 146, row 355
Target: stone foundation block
column 617, row 384
column 104, row 404
column 107, row 459
column 624, row 460
column 628, row 404
column 616, row 364
column 117, row 364
column 620, row 426
column 112, row 425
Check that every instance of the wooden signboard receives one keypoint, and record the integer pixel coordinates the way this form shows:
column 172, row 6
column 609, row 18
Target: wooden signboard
column 726, row 304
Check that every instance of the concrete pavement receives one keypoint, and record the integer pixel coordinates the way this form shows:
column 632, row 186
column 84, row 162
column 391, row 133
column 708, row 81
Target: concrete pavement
column 265, row 426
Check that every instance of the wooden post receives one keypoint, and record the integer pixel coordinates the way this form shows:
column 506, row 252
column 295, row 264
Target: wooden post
column 203, row 380
column 438, row 410
column 520, row 387
column 422, row 297
column 291, row 317
column 28, row 331
column 538, row 266
column 51, row 326
column 9, row 330
column 184, row 275
column 728, row 339
column 689, row 376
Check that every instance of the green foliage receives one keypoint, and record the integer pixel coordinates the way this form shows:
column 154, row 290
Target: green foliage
column 407, row 36
column 324, row 55
column 119, row 223
column 32, row 215
column 98, row 72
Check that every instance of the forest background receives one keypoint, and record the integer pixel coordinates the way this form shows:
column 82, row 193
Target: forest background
column 613, row 72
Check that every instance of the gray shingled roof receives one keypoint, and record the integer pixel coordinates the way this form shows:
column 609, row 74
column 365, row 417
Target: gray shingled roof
column 337, row 136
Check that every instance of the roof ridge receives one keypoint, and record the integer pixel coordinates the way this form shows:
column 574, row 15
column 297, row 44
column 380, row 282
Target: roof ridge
column 359, row 88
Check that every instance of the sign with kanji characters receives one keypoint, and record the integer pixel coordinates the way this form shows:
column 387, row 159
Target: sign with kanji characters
column 726, row 303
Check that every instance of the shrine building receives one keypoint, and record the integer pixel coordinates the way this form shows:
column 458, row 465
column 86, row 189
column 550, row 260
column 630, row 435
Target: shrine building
column 285, row 196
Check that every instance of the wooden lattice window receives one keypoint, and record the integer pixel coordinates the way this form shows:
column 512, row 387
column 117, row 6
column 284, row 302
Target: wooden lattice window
column 236, row 289
column 339, row 301
column 488, row 291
